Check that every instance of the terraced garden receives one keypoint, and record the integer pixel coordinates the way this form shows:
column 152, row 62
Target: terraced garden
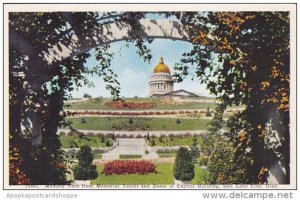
column 161, row 115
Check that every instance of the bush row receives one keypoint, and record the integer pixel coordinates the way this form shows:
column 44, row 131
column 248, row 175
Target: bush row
column 111, row 135
column 94, row 151
column 135, row 113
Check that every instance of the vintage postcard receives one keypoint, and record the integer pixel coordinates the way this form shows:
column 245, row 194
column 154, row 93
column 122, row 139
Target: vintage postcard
column 149, row 96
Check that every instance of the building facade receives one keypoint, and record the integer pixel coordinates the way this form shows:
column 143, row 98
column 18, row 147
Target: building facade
column 161, row 80
column 161, row 84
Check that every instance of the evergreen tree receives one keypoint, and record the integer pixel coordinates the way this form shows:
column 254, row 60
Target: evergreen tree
column 208, row 113
column 184, row 168
column 85, row 169
column 130, row 121
column 195, row 151
column 148, row 136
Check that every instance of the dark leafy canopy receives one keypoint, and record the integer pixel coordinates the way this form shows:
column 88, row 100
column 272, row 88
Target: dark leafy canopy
column 104, row 57
column 183, row 167
column 244, row 59
column 39, row 88
column 85, row 169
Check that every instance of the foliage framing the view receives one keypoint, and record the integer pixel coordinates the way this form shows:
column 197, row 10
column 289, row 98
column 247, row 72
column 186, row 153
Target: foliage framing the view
column 38, row 88
column 244, row 58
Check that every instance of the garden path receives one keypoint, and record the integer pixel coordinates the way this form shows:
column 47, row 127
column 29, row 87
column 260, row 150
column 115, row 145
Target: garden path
column 130, row 146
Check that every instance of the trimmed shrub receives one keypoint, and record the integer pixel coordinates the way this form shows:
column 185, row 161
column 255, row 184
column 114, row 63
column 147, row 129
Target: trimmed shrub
column 102, row 138
column 139, row 136
column 85, row 169
column 108, row 143
column 153, row 136
column 130, row 121
column 183, row 168
column 208, row 113
column 148, row 136
column 152, row 142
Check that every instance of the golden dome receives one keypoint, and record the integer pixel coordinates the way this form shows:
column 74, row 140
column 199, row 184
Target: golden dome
column 161, row 67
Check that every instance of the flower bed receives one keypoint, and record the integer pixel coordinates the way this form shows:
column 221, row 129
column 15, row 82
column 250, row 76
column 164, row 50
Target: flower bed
column 130, row 105
column 128, row 167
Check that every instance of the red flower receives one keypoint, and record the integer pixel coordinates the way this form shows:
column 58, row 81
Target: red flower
column 128, row 167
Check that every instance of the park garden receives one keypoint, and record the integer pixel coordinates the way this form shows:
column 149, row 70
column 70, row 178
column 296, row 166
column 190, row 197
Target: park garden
column 237, row 137
column 103, row 132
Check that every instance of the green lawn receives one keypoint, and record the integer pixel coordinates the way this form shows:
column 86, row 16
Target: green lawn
column 201, row 176
column 76, row 141
column 130, row 157
column 97, row 156
column 99, row 104
column 166, row 155
column 154, row 124
column 174, row 141
column 74, row 158
column 164, row 175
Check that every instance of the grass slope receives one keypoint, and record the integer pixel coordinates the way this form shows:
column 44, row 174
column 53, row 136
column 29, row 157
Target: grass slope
column 154, row 124
column 130, row 157
column 76, row 141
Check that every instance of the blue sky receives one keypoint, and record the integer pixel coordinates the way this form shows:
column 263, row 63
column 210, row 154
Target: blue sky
column 134, row 74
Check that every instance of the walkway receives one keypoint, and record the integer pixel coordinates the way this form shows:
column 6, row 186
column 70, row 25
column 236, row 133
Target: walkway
column 126, row 146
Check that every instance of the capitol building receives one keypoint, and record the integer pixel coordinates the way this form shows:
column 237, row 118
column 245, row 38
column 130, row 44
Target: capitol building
column 161, row 84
